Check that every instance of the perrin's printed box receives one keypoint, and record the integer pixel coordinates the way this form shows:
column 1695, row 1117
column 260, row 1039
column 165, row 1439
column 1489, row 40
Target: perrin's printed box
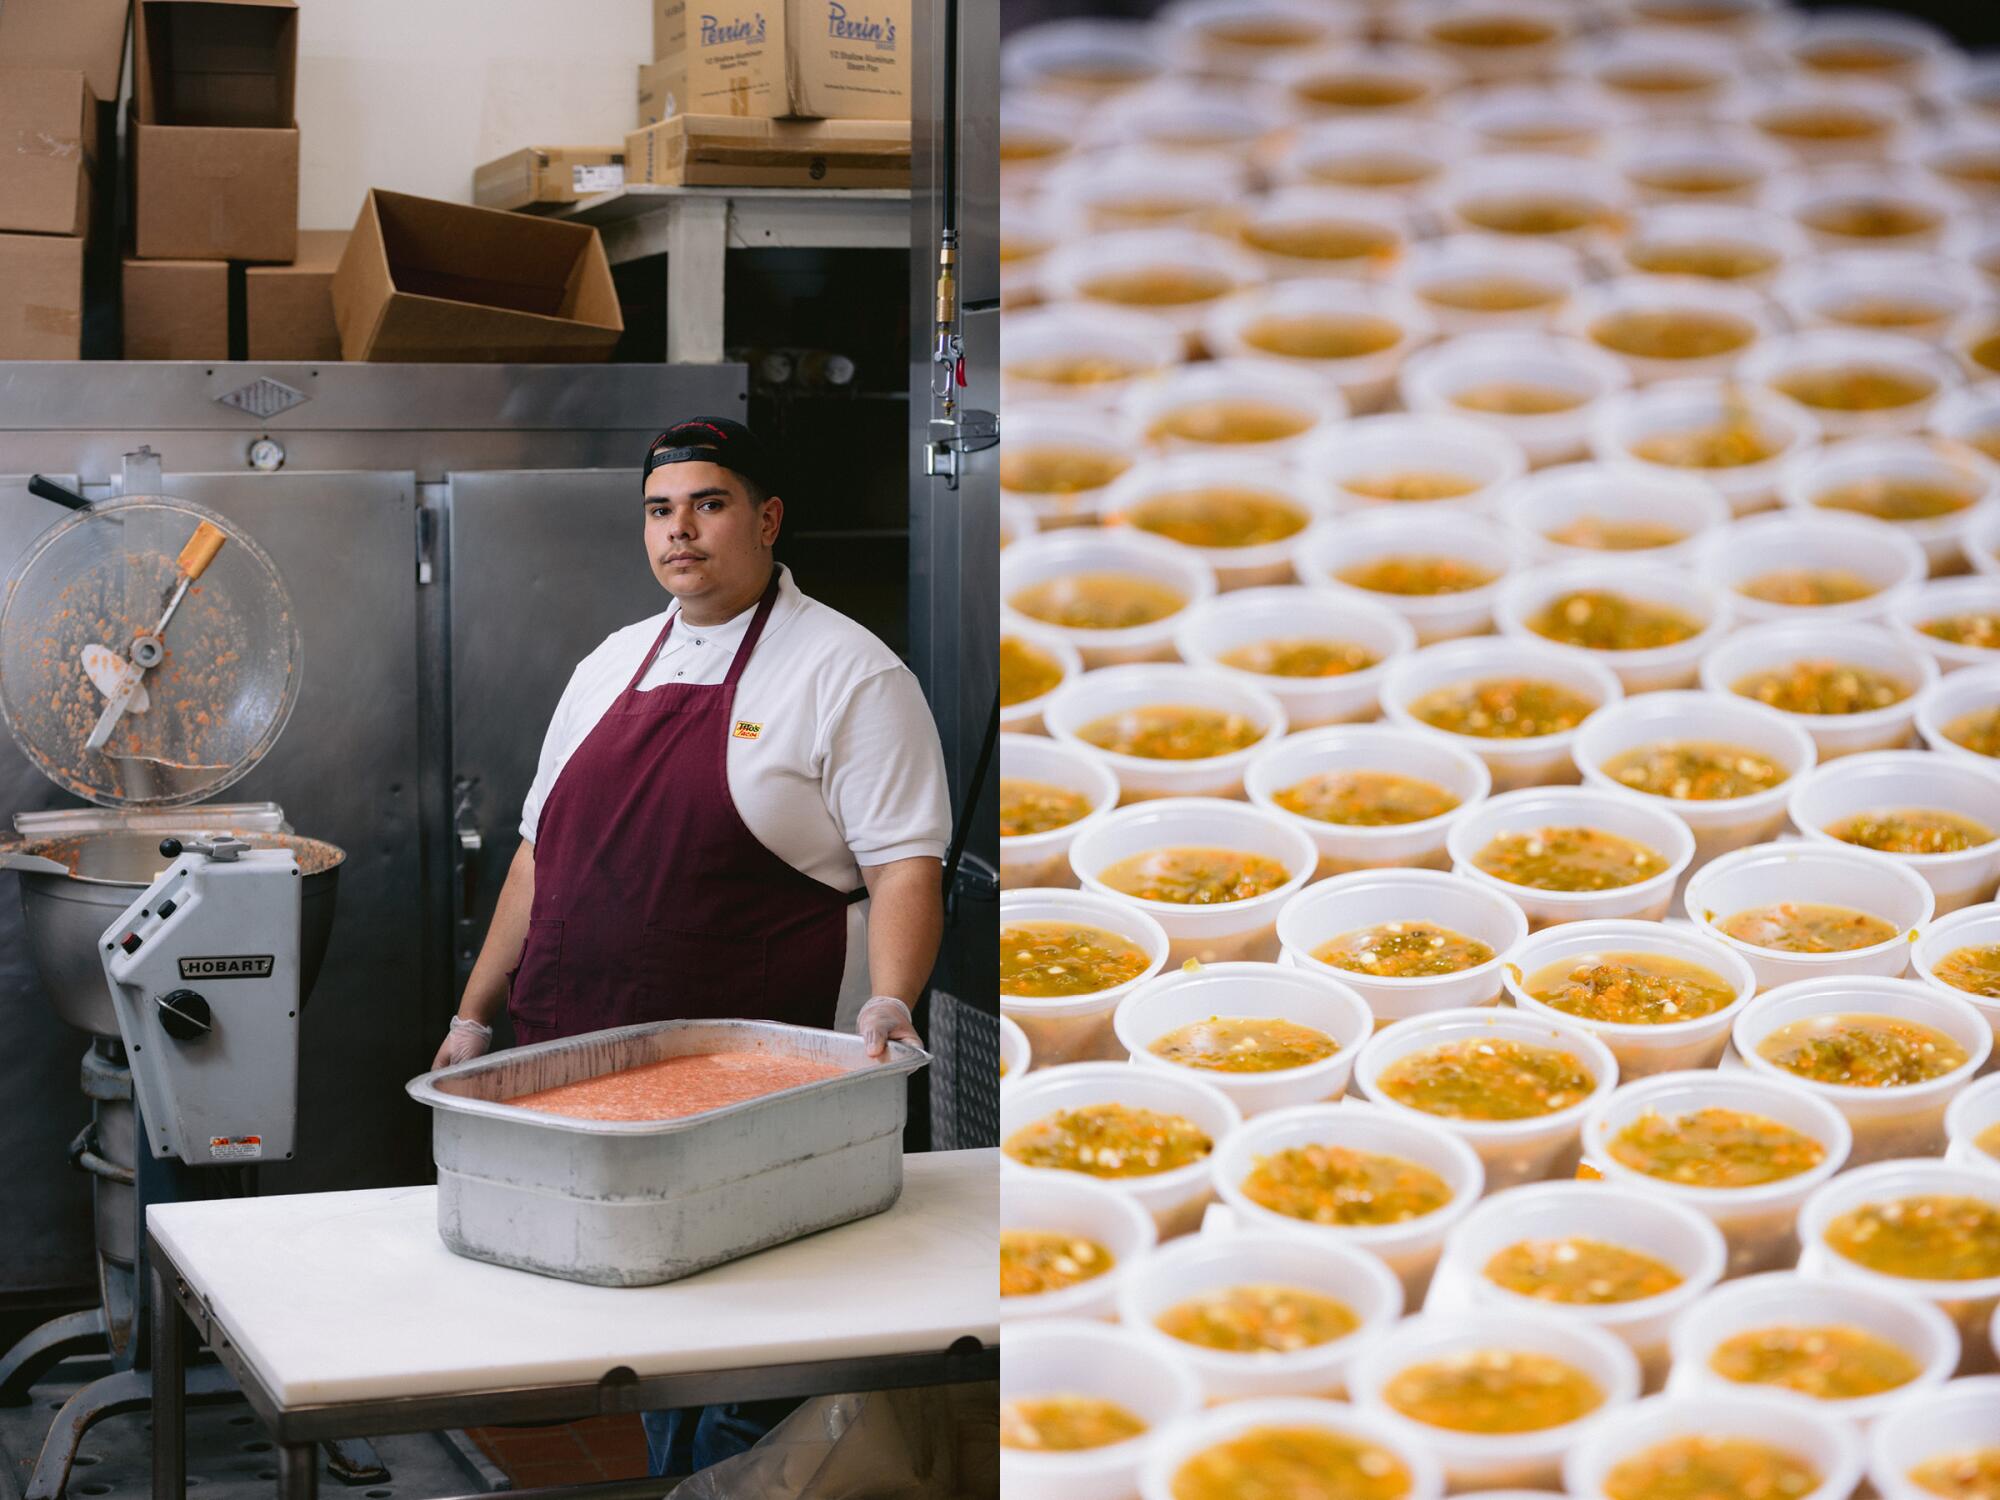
column 799, row 59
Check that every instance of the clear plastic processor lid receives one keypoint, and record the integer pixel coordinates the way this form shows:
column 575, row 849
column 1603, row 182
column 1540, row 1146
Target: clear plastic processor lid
column 217, row 699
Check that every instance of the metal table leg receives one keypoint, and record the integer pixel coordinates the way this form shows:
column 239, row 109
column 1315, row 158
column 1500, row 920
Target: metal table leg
column 697, row 237
column 169, row 1388
column 298, row 1471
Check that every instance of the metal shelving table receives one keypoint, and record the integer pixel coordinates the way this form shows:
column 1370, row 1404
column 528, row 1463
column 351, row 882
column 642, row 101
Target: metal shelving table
column 342, row 1314
column 695, row 226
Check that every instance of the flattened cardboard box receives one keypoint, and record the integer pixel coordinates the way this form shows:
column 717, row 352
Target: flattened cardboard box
column 548, row 174
column 723, row 151
column 88, row 35
column 215, row 147
column 41, row 296
column 176, row 309
column 48, row 150
column 288, row 310
column 426, row 280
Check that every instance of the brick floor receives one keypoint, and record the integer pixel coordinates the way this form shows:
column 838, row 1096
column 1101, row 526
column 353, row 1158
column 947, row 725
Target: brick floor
column 575, row 1453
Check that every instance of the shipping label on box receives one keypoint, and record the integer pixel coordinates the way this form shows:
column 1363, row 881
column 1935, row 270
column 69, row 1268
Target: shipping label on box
column 848, row 59
column 548, row 174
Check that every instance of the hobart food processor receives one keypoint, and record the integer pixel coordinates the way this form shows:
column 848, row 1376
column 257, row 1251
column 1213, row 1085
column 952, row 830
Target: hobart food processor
column 149, row 658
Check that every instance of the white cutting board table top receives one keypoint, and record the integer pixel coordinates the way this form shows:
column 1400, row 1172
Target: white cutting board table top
column 338, row 1297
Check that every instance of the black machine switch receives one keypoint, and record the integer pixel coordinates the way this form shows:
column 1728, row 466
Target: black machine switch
column 184, row 1016
column 130, row 942
column 166, row 909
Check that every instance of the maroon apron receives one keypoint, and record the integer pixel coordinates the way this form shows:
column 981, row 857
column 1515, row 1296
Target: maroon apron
column 653, row 900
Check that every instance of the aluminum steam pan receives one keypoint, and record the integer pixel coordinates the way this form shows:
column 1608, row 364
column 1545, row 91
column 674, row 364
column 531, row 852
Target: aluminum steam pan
column 633, row 1203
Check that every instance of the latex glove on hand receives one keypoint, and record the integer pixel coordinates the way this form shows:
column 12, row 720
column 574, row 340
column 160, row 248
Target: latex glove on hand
column 885, row 1019
column 463, row 1042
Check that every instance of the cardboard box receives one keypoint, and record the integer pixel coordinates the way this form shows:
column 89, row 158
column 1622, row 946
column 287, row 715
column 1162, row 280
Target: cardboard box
column 669, row 27
column 426, row 280
column 848, row 59
column 176, row 309
column 662, row 89
column 88, row 35
column 41, row 296
column 724, row 151
column 48, row 150
column 548, row 174
column 807, row 59
column 215, row 147
column 288, row 310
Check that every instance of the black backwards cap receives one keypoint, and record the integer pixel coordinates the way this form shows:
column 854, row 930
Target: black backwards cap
column 713, row 440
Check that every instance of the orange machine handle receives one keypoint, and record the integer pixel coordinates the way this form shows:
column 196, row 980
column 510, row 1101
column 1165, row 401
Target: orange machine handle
column 201, row 548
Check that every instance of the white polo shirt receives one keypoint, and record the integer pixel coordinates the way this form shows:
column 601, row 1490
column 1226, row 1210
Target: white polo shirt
column 845, row 770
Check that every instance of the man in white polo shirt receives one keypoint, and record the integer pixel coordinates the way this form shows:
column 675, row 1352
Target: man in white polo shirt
column 740, row 811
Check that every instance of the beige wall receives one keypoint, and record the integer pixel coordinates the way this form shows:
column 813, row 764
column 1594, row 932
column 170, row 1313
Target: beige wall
column 413, row 94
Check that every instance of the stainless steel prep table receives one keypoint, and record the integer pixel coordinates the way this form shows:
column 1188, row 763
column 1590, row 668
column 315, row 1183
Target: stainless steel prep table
column 342, row 1314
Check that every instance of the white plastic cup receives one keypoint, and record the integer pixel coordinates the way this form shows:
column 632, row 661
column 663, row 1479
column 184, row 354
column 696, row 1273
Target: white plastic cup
column 1185, row 1441
column 1025, row 717
column 1911, row 778
column 1207, row 1263
column 1174, row 1198
column 1627, row 418
column 1463, row 197
column 1056, row 554
column 1032, row 425
column 1971, row 1115
column 1841, row 348
column 1261, row 563
column 1404, row 440
column 1302, row 206
column 1708, row 163
column 1080, row 59
column 1667, row 295
column 1042, row 859
column 1307, row 81
column 1948, row 700
column 1785, row 1299
column 1433, row 267
column 1963, row 1416
column 1367, row 898
column 1969, row 1304
column 1362, row 380
column 1811, row 476
column 1721, row 824
column 1512, row 1151
column 1860, row 290
column 1968, row 927
column 1399, row 158
column 1497, row 1460
column 1642, row 1050
column 1931, row 62
column 1205, row 119
column 1526, row 594
column 1066, row 1203
column 1421, row 21
column 1757, row 1222
column 1564, row 118
column 1670, row 226
column 1632, row 1219
column 1083, row 700
column 1170, row 1001
column 1017, row 1054
column 1806, row 199
column 1135, row 186
column 1779, row 643
column 1816, row 540
column 1202, row 35
column 1063, row 1357
column 1214, row 933
column 1887, row 1122
column 1665, row 75
column 1939, row 599
column 1218, row 626
column 1545, row 503
column 1075, row 272
column 1874, row 121
column 1576, row 807
column 1811, row 874
column 1829, row 1445
column 1434, row 617
column 1078, row 1028
column 1124, row 339
column 1370, row 747
column 1970, row 414
column 1409, row 1249
column 1243, row 376
column 1513, row 763
column 1434, row 379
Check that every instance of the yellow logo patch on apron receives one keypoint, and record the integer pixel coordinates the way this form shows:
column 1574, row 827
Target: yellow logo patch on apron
column 745, row 730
